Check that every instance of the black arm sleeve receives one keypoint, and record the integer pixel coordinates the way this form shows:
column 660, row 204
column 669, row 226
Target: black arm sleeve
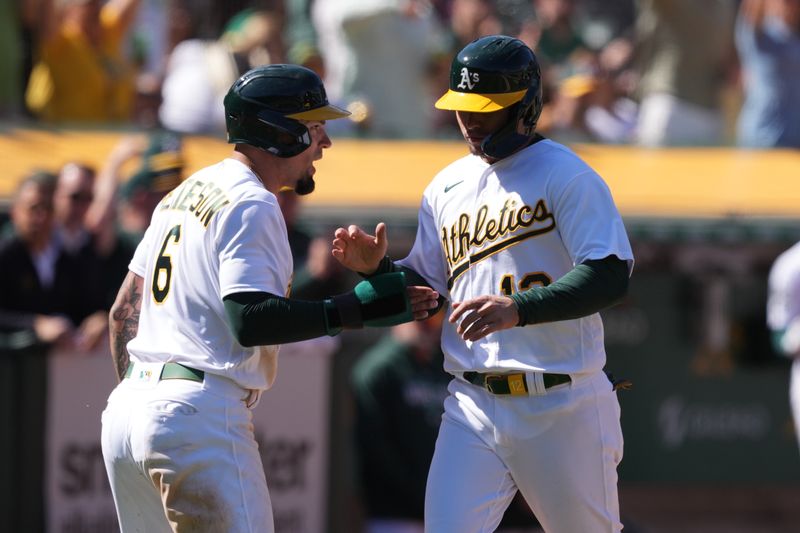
column 260, row 318
column 588, row 288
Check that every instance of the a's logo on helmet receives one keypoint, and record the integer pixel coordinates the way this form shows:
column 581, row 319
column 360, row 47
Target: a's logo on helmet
column 468, row 80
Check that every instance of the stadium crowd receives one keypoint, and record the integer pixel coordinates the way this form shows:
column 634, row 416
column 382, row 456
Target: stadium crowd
column 648, row 72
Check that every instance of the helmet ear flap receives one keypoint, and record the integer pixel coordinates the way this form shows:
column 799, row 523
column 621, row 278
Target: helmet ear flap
column 520, row 128
column 530, row 108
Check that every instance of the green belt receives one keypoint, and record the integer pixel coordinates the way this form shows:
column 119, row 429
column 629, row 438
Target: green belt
column 174, row 371
column 514, row 384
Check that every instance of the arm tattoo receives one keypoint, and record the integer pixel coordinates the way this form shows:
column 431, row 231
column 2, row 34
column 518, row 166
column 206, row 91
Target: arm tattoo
column 124, row 323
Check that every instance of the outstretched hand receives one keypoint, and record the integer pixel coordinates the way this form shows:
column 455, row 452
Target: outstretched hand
column 358, row 250
column 484, row 315
column 423, row 300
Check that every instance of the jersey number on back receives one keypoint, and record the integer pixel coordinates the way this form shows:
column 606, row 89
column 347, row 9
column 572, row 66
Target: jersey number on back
column 527, row 281
column 162, row 277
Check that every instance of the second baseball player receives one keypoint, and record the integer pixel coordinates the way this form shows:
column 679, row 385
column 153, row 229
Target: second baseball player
column 525, row 242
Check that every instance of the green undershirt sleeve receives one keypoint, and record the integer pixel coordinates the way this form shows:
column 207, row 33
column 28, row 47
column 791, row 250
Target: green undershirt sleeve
column 260, row 318
column 586, row 289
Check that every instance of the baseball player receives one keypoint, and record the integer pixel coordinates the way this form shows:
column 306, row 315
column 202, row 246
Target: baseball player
column 783, row 318
column 197, row 321
column 524, row 241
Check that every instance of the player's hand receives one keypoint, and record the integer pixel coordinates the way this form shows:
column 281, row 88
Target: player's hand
column 52, row 329
column 422, row 300
column 484, row 315
column 358, row 250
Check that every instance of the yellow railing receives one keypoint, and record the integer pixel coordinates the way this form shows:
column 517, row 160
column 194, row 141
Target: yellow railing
column 696, row 182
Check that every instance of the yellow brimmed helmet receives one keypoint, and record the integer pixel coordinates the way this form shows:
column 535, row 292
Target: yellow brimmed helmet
column 264, row 107
column 492, row 73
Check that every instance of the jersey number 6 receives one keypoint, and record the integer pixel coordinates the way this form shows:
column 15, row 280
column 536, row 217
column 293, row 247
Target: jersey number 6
column 163, row 273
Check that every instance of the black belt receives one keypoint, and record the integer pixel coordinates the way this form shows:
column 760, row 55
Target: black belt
column 514, row 384
column 174, row 371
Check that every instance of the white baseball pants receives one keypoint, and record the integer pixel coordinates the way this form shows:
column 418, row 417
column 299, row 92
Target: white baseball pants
column 560, row 449
column 181, row 456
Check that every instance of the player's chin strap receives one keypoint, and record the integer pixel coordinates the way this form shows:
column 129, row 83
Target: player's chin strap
column 618, row 383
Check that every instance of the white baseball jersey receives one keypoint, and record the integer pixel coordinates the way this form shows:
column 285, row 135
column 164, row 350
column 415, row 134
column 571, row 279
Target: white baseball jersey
column 783, row 305
column 523, row 221
column 198, row 250
column 783, row 315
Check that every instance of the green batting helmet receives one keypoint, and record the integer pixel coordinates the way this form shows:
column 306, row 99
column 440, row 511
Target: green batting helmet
column 493, row 73
column 264, row 107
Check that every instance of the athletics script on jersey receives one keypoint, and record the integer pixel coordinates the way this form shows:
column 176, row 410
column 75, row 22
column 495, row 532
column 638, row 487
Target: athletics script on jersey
column 203, row 199
column 473, row 238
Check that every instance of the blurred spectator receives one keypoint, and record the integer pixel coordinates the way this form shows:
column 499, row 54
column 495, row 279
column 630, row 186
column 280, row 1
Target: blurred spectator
column 73, row 197
column 317, row 274
column 301, row 37
column 564, row 114
column 299, row 239
column 22, row 362
column 594, row 103
column 578, row 81
column 768, row 42
column 118, row 214
column 46, row 295
column 73, row 200
column 399, row 387
column 82, row 74
column 160, row 25
column 685, row 55
column 378, row 57
column 783, row 318
column 559, row 38
column 47, row 299
column 160, row 171
column 149, row 43
column 200, row 72
column 612, row 114
column 470, row 19
column 602, row 21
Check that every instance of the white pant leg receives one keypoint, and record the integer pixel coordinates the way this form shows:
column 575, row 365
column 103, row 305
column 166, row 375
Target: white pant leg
column 196, row 450
column 561, row 450
column 469, row 487
column 138, row 503
column 568, row 471
column 794, row 395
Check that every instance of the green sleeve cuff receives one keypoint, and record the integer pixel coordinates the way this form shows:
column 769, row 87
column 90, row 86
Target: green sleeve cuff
column 387, row 265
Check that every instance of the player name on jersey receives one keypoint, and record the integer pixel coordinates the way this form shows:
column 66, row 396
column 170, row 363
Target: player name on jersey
column 203, row 199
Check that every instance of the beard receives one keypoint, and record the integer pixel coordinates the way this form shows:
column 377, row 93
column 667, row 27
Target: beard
column 475, row 149
column 305, row 185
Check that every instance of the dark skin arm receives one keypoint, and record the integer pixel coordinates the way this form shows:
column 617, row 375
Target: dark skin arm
column 123, row 321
